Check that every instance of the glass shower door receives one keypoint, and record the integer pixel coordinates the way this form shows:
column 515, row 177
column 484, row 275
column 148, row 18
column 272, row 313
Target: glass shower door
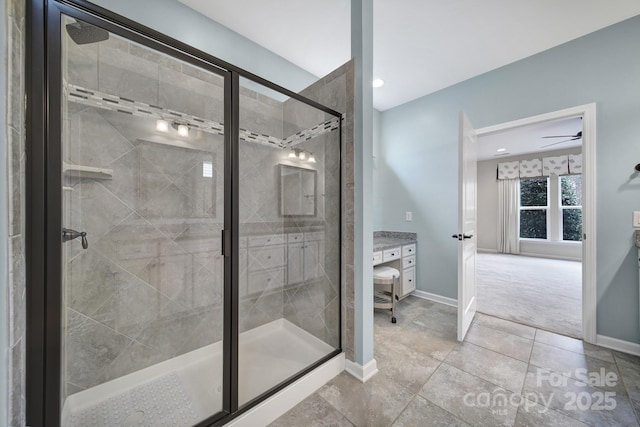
column 143, row 152
column 289, row 238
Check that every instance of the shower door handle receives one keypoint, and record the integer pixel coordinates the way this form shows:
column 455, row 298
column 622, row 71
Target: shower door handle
column 68, row 234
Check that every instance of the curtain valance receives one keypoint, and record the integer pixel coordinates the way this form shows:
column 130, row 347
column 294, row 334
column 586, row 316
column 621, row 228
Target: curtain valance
column 546, row 166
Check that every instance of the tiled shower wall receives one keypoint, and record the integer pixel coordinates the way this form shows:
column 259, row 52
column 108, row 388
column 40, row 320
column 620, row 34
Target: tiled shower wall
column 337, row 91
column 16, row 173
column 126, row 69
column 315, row 305
column 153, row 227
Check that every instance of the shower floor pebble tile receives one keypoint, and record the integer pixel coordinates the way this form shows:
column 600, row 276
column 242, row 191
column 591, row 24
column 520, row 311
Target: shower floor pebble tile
column 473, row 391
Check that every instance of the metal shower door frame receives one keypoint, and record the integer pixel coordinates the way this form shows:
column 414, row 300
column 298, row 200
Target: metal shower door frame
column 44, row 201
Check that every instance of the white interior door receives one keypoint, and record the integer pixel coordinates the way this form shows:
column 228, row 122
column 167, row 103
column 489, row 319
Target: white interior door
column 466, row 226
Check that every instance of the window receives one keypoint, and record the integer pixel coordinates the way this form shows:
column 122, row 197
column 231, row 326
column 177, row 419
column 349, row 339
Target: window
column 534, row 207
column 571, row 206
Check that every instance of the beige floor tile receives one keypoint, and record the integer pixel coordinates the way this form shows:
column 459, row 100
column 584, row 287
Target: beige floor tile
column 500, row 342
column 575, row 365
column 493, row 367
column 475, row 401
column 421, row 412
column 505, row 326
column 575, row 345
column 579, row 401
column 313, row 411
column 532, row 414
column 404, row 365
column 377, row 402
column 630, row 374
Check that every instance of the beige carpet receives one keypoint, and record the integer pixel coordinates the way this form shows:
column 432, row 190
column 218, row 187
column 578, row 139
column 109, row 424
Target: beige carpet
column 544, row 293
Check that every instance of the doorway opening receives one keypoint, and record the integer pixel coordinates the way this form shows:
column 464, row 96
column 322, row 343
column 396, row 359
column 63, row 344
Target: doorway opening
column 536, row 239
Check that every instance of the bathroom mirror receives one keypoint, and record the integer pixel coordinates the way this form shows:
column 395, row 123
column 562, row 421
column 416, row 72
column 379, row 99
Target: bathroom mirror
column 297, row 191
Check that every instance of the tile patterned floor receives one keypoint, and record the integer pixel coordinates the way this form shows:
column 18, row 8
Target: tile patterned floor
column 503, row 374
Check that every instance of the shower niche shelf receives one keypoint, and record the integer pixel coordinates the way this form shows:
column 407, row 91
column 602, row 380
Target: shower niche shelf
column 79, row 171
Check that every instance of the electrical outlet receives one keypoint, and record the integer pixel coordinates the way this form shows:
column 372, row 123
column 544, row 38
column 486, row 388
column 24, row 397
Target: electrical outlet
column 636, row 219
column 408, row 216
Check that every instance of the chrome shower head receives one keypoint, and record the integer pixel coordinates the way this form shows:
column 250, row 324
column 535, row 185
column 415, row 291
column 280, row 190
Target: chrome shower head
column 84, row 33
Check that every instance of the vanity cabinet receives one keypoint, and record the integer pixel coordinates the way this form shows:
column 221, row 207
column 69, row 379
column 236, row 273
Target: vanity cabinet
column 304, row 256
column 295, row 258
column 266, row 258
column 402, row 258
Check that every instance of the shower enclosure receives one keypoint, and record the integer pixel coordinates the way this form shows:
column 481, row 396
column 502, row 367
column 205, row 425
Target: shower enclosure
column 192, row 222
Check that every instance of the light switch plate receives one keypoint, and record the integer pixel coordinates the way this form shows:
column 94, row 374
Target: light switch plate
column 636, row 219
column 408, row 216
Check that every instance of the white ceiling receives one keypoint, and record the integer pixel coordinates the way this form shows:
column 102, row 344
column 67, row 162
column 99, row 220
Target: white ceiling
column 529, row 139
column 420, row 46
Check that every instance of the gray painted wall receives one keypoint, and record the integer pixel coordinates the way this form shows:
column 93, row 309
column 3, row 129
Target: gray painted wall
column 419, row 156
column 4, row 216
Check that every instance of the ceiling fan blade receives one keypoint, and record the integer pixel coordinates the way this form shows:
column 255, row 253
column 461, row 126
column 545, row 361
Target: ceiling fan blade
column 576, row 136
column 556, row 143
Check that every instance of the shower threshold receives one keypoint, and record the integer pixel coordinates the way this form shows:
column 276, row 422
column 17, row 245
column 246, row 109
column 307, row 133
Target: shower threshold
column 188, row 388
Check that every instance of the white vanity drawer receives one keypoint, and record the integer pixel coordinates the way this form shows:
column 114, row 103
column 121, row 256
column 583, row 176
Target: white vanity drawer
column 377, row 258
column 266, row 257
column 408, row 261
column 266, row 240
column 266, row 279
column 294, row 237
column 408, row 280
column 408, row 250
column 314, row 235
column 391, row 254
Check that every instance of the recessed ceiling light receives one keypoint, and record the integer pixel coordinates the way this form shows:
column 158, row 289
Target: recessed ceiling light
column 378, row 83
column 500, row 150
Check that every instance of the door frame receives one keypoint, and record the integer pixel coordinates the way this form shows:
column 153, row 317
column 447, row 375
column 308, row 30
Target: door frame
column 588, row 114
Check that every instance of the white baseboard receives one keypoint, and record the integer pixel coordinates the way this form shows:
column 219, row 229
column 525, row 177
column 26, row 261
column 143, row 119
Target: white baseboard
column 437, row 298
column 278, row 404
column 487, row 251
column 560, row 257
column 360, row 372
column 619, row 345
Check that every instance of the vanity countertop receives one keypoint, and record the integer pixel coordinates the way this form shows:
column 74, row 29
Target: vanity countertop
column 383, row 240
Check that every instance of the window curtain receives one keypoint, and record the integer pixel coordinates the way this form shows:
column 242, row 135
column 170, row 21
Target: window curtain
column 508, row 216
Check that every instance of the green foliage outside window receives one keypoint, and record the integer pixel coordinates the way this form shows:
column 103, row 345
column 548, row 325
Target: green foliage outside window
column 533, row 222
column 571, row 195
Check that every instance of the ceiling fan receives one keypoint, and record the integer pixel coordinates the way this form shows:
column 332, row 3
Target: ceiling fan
column 571, row 138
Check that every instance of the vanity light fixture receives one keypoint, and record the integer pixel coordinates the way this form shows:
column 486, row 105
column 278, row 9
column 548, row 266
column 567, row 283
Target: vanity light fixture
column 297, row 153
column 182, row 128
column 378, row 83
column 162, row 125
